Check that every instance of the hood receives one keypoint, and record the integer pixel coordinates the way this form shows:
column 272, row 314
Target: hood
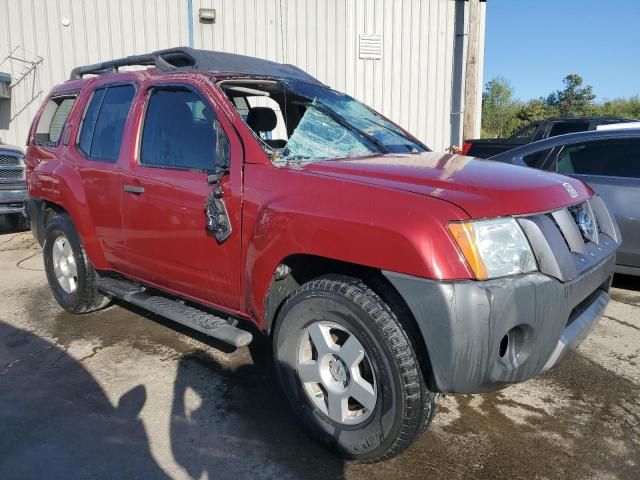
column 482, row 188
column 11, row 148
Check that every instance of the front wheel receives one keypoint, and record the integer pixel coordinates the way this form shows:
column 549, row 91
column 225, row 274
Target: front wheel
column 349, row 370
column 69, row 272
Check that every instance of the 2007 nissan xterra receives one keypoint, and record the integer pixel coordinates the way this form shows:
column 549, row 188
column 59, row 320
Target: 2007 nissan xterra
column 221, row 191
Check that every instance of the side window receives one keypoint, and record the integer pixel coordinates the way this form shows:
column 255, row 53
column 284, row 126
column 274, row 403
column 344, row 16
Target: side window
column 536, row 159
column 181, row 131
column 103, row 123
column 52, row 120
column 560, row 128
column 609, row 158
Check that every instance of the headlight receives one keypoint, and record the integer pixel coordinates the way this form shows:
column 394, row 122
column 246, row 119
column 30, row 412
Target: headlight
column 494, row 248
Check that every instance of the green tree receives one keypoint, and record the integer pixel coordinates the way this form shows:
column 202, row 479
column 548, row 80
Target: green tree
column 620, row 107
column 534, row 110
column 573, row 99
column 498, row 108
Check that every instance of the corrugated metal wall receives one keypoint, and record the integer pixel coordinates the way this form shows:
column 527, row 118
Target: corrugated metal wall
column 413, row 83
column 97, row 30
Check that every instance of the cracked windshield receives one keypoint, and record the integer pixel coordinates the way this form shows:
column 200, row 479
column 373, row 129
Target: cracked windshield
column 300, row 122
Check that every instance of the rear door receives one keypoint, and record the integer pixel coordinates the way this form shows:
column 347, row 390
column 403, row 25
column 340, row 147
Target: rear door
column 165, row 191
column 611, row 167
column 97, row 155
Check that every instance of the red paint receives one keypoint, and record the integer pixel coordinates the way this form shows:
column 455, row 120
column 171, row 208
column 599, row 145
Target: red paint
column 387, row 212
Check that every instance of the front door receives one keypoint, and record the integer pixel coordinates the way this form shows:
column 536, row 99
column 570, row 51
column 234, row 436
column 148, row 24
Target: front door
column 165, row 192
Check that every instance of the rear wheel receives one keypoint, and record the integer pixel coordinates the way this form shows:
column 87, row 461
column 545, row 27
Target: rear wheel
column 349, row 370
column 69, row 272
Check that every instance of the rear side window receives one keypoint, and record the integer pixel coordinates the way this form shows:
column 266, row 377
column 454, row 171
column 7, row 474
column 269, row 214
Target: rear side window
column 52, row 121
column 609, row 158
column 104, row 121
column 561, row 128
column 180, row 131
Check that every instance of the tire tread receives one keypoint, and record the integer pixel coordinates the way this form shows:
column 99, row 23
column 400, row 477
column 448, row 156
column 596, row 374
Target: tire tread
column 419, row 402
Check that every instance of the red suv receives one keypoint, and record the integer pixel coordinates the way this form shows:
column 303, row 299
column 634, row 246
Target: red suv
column 224, row 191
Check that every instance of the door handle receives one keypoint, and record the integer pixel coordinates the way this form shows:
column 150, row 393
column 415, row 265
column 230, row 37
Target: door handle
column 138, row 190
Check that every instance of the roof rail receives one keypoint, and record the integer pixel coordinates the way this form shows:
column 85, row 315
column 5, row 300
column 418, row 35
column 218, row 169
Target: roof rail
column 165, row 60
column 185, row 58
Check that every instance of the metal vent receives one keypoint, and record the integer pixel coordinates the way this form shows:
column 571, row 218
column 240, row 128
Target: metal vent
column 370, row 47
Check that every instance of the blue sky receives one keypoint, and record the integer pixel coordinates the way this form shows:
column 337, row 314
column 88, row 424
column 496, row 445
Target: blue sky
column 536, row 43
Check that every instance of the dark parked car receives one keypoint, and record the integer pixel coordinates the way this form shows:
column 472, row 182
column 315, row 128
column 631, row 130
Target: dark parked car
column 609, row 162
column 550, row 127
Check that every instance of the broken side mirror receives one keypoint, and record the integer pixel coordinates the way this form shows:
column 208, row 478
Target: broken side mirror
column 218, row 220
column 217, row 175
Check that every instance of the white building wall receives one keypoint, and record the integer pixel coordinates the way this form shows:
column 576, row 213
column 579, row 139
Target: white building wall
column 412, row 83
column 97, row 30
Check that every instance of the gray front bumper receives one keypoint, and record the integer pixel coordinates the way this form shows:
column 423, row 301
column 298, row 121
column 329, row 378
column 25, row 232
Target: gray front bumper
column 464, row 324
column 12, row 201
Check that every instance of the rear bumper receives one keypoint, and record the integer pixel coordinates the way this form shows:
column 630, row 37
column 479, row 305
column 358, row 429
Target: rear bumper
column 483, row 335
column 12, row 201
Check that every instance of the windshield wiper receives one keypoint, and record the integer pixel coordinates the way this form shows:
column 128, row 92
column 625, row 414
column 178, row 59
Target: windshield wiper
column 338, row 119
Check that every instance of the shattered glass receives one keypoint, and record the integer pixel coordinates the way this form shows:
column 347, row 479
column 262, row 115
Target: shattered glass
column 361, row 117
column 326, row 124
column 318, row 136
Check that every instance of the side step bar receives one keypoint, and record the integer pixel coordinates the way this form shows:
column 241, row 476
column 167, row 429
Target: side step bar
column 199, row 320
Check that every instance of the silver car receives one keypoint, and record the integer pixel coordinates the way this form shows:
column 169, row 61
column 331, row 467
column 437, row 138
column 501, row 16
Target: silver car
column 609, row 162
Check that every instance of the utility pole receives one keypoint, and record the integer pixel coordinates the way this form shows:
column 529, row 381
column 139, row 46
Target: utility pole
column 471, row 71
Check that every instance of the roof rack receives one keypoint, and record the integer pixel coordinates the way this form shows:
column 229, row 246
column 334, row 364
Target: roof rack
column 185, row 58
column 164, row 60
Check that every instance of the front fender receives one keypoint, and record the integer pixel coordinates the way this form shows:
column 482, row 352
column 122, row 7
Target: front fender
column 371, row 226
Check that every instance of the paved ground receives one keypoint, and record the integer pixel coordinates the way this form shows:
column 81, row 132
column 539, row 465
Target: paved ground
column 124, row 394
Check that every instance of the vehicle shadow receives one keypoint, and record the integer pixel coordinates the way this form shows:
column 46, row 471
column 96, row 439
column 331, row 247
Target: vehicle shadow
column 57, row 422
column 228, row 418
column 13, row 223
column 626, row 282
column 240, row 423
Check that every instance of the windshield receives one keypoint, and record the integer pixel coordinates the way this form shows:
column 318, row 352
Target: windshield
column 300, row 122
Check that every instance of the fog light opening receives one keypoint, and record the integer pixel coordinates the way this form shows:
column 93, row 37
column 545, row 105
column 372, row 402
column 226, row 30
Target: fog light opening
column 504, row 346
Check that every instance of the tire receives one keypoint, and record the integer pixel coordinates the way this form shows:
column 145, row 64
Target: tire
column 358, row 429
column 66, row 259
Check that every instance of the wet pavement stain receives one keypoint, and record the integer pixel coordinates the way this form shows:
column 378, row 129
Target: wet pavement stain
column 585, row 421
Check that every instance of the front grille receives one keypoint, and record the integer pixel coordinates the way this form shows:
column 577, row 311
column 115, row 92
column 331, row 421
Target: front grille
column 11, row 174
column 10, row 160
column 563, row 247
column 11, row 167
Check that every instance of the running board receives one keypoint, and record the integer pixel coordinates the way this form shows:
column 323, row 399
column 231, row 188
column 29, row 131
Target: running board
column 191, row 317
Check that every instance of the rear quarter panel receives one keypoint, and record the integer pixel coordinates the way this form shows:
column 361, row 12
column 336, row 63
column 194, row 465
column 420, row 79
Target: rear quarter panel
column 52, row 175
